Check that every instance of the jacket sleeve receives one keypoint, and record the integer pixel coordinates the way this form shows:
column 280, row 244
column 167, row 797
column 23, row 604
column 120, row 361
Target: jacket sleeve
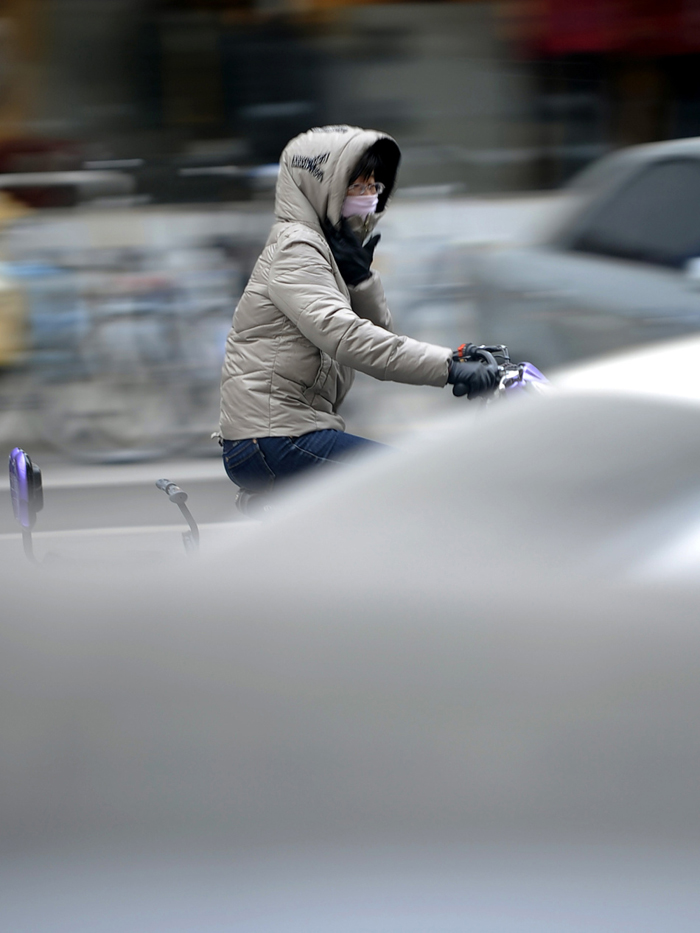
column 303, row 287
column 368, row 301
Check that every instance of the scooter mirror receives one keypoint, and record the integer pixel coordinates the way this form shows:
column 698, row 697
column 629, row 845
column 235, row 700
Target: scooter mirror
column 25, row 488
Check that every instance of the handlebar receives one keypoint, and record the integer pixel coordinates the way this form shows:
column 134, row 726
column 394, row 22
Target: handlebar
column 484, row 355
column 173, row 492
column 511, row 375
column 179, row 497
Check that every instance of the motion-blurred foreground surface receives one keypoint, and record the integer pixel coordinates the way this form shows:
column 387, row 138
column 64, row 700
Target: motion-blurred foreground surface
column 441, row 690
column 452, row 689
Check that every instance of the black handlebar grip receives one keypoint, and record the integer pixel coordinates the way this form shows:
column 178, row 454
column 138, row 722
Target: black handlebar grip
column 480, row 354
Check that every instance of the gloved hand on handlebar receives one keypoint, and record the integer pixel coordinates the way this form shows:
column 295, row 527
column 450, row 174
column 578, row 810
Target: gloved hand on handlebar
column 472, row 379
column 354, row 259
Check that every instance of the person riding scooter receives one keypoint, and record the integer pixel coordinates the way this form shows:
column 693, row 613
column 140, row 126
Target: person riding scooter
column 313, row 312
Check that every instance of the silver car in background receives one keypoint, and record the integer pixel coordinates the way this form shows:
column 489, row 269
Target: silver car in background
column 619, row 267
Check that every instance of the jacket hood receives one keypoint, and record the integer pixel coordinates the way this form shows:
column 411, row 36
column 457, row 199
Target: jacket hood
column 315, row 170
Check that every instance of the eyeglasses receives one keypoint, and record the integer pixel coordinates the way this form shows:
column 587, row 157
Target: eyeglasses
column 375, row 187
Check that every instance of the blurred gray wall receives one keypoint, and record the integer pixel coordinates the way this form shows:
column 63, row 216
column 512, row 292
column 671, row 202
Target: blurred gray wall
column 134, row 78
column 440, row 79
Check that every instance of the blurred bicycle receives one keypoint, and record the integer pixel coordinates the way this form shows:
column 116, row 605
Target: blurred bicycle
column 121, row 365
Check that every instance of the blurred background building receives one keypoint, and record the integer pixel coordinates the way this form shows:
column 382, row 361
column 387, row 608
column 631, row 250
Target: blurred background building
column 484, row 94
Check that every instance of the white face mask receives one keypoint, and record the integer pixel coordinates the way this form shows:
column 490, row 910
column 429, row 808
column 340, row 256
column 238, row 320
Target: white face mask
column 359, row 205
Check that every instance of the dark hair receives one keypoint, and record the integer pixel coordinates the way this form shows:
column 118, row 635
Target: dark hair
column 382, row 161
column 370, row 164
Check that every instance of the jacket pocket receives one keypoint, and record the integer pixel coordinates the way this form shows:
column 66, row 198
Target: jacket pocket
column 316, row 387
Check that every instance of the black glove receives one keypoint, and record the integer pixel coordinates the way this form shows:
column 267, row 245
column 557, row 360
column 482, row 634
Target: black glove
column 354, row 259
column 472, row 379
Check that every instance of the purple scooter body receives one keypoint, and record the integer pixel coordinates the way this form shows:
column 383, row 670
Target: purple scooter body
column 523, row 376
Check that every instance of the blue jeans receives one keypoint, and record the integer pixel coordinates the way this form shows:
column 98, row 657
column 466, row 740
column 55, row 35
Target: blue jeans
column 258, row 463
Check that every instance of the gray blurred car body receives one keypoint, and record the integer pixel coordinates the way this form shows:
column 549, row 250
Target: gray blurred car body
column 614, row 269
column 432, row 692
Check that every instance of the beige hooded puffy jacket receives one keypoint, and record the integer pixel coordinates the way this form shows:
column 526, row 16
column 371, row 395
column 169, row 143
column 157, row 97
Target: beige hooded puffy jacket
column 299, row 332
